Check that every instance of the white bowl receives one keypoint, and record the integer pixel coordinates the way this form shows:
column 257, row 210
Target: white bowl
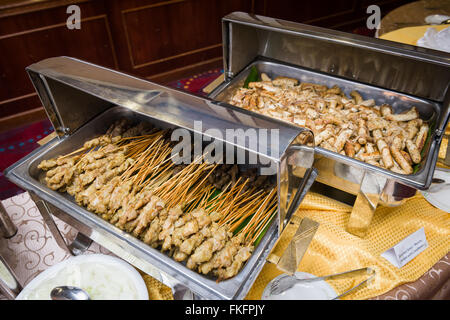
column 103, row 277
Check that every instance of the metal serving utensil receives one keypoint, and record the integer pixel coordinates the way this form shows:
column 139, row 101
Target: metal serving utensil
column 286, row 282
column 69, row 293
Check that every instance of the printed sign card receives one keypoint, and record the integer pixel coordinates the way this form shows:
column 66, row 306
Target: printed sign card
column 407, row 249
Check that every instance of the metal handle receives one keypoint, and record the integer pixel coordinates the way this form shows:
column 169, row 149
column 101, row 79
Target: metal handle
column 369, row 271
column 336, row 276
column 308, row 180
column 7, row 227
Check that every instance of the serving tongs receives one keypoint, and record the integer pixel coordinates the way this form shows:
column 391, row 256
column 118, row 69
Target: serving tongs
column 286, row 282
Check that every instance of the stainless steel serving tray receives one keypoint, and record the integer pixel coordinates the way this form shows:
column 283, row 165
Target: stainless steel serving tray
column 26, row 174
column 427, row 109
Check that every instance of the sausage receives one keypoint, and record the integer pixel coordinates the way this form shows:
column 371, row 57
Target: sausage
column 407, row 157
column 370, row 156
column 342, row 138
column 421, row 137
column 401, row 161
column 406, row 116
column 383, row 148
column 355, row 95
column 265, row 77
column 324, row 135
column 386, row 110
column 413, row 151
column 349, row 149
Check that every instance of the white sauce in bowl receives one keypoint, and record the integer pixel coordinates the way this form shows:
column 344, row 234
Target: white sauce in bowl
column 102, row 277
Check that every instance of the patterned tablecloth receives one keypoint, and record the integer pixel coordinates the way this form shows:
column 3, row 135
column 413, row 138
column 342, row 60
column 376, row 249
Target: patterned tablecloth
column 33, row 249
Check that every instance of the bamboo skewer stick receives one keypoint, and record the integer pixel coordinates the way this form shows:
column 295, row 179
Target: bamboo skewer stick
column 151, row 167
column 201, row 199
column 257, row 216
column 215, row 202
column 257, row 205
column 260, row 220
column 184, row 180
column 73, row 152
column 235, row 198
column 249, row 204
column 267, row 221
column 174, row 194
column 204, row 179
column 228, row 195
column 239, row 215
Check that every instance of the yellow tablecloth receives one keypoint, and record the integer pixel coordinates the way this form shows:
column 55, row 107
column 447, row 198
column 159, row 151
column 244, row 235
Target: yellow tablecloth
column 156, row 289
column 334, row 250
column 410, row 35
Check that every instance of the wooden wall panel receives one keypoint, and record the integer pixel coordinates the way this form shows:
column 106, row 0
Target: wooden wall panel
column 173, row 34
column 161, row 40
column 39, row 34
column 306, row 13
column 22, row 49
column 343, row 15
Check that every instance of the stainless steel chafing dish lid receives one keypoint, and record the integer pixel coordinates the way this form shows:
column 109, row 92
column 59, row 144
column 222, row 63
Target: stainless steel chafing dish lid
column 73, row 92
column 404, row 68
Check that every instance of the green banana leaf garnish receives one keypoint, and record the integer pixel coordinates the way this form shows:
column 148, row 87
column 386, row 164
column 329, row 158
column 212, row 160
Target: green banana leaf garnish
column 252, row 77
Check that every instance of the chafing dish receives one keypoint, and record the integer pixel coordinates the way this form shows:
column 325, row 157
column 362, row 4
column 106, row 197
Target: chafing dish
column 82, row 100
column 388, row 72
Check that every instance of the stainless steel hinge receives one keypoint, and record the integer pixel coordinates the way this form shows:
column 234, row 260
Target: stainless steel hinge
column 229, row 75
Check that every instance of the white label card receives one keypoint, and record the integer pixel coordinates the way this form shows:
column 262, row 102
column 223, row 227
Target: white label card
column 407, row 249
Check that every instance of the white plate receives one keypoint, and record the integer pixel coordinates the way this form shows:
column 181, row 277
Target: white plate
column 317, row 290
column 440, row 199
column 120, row 268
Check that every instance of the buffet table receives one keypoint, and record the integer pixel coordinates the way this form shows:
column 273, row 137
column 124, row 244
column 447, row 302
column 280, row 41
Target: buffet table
column 33, row 249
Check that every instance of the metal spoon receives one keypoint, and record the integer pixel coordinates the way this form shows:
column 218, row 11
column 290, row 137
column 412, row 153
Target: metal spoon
column 69, row 293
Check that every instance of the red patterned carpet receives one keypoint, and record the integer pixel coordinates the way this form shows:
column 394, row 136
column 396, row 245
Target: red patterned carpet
column 17, row 143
